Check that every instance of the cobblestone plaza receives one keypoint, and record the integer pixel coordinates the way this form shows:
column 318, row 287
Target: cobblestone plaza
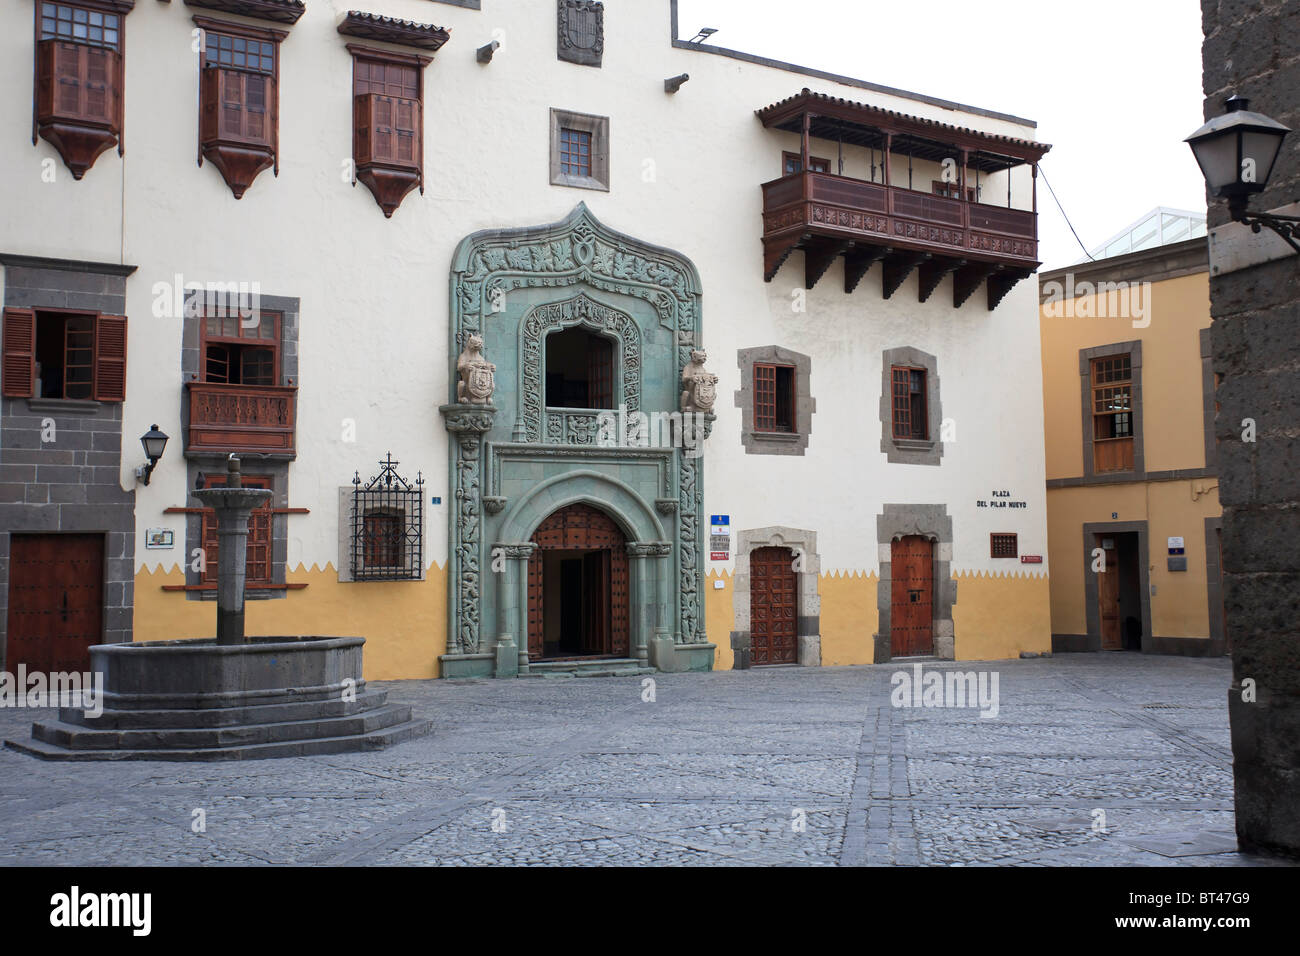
column 1114, row 759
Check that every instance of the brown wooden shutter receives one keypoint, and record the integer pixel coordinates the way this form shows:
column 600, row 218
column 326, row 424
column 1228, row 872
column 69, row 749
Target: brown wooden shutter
column 19, row 364
column 97, row 86
column 257, row 107
column 382, row 134
column 110, row 358
column 210, row 104
column 406, row 130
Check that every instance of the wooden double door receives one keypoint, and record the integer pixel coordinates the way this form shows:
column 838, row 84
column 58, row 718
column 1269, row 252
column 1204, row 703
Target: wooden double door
column 773, row 607
column 56, row 601
column 911, row 605
column 578, row 586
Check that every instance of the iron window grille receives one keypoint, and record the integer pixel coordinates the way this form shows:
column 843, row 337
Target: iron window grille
column 1003, row 546
column 387, row 526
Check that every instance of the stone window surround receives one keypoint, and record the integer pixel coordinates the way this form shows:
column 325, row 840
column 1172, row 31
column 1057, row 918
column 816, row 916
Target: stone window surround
column 1134, row 350
column 1093, row 612
column 344, row 565
column 910, row 451
column 808, row 611
column 598, row 127
column 775, row 443
column 276, row 465
column 929, row 521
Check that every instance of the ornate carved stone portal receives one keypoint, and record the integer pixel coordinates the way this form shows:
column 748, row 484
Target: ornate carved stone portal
column 581, row 31
column 514, row 461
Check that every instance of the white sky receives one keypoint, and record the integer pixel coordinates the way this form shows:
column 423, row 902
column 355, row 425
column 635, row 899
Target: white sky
column 1115, row 85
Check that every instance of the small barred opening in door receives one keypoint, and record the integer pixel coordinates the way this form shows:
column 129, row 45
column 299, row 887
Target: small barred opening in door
column 578, row 587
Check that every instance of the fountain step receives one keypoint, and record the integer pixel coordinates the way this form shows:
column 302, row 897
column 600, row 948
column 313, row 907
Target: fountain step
column 112, row 719
column 77, row 737
column 372, row 739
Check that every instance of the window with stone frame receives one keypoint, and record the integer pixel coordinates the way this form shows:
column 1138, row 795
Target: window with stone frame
column 911, row 416
column 579, row 150
column 775, row 400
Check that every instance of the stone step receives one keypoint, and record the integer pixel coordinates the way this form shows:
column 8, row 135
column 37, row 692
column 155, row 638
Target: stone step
column 112, row 719
column 600, row 667
column 376, row 740
column 77, row 737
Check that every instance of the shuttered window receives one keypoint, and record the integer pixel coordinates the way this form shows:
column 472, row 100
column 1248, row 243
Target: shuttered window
column 238, row 90
column 260, row 538
column 388, row 112
column 60, row 354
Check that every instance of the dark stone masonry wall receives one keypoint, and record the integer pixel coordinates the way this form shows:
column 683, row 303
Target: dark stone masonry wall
column 1250, row 50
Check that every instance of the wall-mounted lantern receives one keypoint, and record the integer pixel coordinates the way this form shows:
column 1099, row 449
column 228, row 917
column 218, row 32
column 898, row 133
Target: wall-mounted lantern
column 154, row 443
column 1236, row 153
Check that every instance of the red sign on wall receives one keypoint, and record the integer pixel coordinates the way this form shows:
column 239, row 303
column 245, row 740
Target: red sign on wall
column 1031, row 559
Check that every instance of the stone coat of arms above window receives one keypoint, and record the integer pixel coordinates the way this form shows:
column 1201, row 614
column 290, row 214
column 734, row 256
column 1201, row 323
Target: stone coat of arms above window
column 581, row 31
column 699, row 385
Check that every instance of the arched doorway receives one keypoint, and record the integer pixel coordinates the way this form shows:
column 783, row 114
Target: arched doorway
column 578, row 586
column 773, row 606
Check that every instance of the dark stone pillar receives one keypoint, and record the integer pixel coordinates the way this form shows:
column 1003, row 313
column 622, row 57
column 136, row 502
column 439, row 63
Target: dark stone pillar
column 1256, row 349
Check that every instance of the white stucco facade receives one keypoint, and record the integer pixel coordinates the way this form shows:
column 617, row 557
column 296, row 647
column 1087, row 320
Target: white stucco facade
column 373, row 354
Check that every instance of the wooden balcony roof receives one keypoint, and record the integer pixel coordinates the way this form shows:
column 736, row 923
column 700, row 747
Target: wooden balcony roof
column 372, row 26
column 860, row 124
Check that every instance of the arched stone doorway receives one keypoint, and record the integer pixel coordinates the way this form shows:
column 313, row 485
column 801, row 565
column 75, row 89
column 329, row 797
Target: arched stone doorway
column 578, row 586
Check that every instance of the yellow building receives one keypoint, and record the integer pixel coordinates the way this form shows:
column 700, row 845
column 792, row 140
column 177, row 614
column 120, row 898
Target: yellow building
column 1132, row 493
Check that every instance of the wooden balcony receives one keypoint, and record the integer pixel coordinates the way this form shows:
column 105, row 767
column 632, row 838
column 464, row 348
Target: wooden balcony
column 830, row 216
column 244, row 419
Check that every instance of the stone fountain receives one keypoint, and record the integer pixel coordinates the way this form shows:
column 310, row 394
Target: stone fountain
column 232, row 698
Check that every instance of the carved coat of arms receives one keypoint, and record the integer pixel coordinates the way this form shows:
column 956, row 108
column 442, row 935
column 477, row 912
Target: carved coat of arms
column 581, row 31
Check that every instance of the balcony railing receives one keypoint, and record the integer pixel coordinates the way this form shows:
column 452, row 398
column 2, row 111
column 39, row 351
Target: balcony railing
column 242, row 418
column 829, row 216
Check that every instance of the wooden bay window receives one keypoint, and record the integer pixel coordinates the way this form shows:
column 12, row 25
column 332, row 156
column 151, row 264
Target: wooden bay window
column 792, row 163
column 78, row 82
column 239, row 101
column 388, row 123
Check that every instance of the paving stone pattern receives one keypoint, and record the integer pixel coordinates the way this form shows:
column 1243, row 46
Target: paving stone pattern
column 768, row 766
